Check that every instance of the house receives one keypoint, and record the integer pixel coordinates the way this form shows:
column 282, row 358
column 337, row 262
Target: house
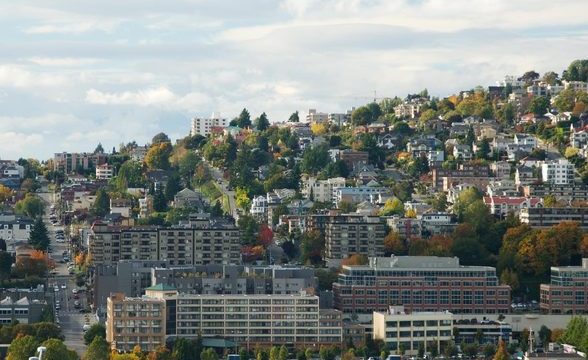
column 500, row 169
column 463, row 152
column 352, row 157
column 356, row 195
column 104, row 172
column 422, row 145
column 157, row 177
column 386, row 141
column 578, row 138
column 121, row 206
column 524, row 175
column 300, row 207
column 187, row 198
column 459, row 129
column 259, row 207
column 138, row 153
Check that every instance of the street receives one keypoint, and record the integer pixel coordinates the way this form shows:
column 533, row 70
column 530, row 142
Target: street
column 224, row 187
column 61, row 286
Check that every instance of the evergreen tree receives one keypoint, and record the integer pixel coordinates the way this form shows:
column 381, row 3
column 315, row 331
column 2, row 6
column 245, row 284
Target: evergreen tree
column 172, row 187
column 98, row 350
column 38, row 237
column 262, row 123
column 159, row 202
column 244, row 119
column 101, row 205
column 294, row 117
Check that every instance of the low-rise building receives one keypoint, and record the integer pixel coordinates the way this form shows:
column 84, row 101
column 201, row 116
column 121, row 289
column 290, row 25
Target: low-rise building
column 504, row 205
column 569, row 192
column 549, row 216
column 411, row 331
column 15, row 227
column 23, row 310
column 483, row 332
column 358, row 194
column 567, row 292
column 321, row 190
column 104, row 172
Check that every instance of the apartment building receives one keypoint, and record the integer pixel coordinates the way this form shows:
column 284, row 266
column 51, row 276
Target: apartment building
column 15, row 227
column 567, row 292
column 132, row 321
column 576, row 85
column 69, row 162
column 411, row 331
column 483, row 332
column 248, row 320
column 420, row 283
column 574, row 191
column 504, row 205
column 314, row 116
column 547, row 217
column 463, row 173
column 359, row 194
column 104, row 172
column 194, row 243
column 235, row 279
column 321, row 190
column 203, row 126
column 349, row 234
column 558, row 172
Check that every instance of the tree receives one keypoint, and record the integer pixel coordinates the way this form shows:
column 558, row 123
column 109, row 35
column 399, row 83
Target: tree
column 187, row 166
column 361, row 116
column 47, row 330
column 392, row 206
column 319, row 129
column 38, row 236
column 22, row 348
column 262, row 123
column 244, row 119
column 208, row 354
column 483, row 149
column 489, row 350
column 283, row 354
column 315, row 159
column 550, row 78
column 326, row 353
column 501, row 353
column 544, row 334
column 99, row 149
column 158, row 156
column 159, row 202
column 160, row 138
column 549, row 200
column 100, row 350
column 31, row 206
column 538, row 105
column 130, row 175
column 56, row 350
column 393, row 244
column 294, row 117
column 172, row 186
column 5, row 264
column 5, row 193
column 529, row 77
column 355, row 259
column 510, row 278
column 313, row 244
column 94, row 331
column 242, row 199
column 576, row 71
column 274, row 353
column 439, row 202
column 101, row 205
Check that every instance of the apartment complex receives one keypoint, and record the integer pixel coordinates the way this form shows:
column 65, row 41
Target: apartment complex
column 558, row 172
column 349, row 234
column 202, row 126
column 504, row 205
column 104, row 172
column 69, row 162
column 321, row 190
column 465, row 173
column 547, row 217
column 420, row 283
column 235, row 279
column 194, row 243
column 567, row 292
column 248, row 320
column 401, row 330
column 574, row 191
column 135, row 321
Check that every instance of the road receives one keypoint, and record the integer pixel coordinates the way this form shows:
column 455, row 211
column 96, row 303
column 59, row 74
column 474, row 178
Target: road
column 62, row 285
column 224, row 187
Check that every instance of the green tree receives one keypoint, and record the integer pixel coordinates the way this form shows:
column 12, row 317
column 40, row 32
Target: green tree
column 313, row 245
column 159, row 202
column 327, row 353
column 99, row 149
column 242, row 200
column 101, row 205
column 158, row 156
column 538, row 105
column 160, row 138
column 187, row 166
column 244, row 119
column 274, row 353
column 21, row 348
column 315, row 159
column 129, row 175
column 577, row 71
column 94, row 331
column 56, row 350
column 39, row 237
column 172, row 186
column 47, row 330
column 31, row 206
column 100, row 350
column 5, row 264
column 361, row 116
column 439, row 202
column 283, row 354
column 294, row 117
column 262, row 123
column 544, row 334
column 208, row 354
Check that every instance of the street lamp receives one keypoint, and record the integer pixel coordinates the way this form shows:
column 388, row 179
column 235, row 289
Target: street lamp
column 41, row 350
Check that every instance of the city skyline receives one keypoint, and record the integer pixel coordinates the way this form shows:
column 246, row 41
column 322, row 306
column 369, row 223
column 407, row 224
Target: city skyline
column 75, row 74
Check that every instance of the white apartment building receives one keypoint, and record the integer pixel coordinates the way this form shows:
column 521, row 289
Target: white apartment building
column 411, row 331
column 259, row 206
column 321, row 190
column 576, row 85
column 104, row 172
column 202, row 126
column 558, row 172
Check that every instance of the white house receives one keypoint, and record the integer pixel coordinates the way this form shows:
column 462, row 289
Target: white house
column 259, row 206
column 503, row 205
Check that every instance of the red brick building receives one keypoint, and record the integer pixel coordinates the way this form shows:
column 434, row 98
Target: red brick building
column 420, row 283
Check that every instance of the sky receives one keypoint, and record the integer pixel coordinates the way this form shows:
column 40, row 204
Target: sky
column 76, row 73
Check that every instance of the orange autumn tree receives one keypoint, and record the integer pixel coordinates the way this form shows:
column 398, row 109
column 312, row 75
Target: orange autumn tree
column 355, row 259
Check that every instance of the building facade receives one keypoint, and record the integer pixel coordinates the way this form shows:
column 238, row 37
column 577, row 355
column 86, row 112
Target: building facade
column 400, row 330
column 549, row 216
column 69, row 162
column 23, row 310
column 203, row 126
column 191, row 244
column 420, row 283
column 567, row 292
column 349, row 234
column 104, row 172
column 559, row 172
column 135, row 321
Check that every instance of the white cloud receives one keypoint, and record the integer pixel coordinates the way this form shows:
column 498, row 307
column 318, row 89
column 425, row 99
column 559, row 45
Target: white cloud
column 20, row 77
column 68, row 61
column 153, row 96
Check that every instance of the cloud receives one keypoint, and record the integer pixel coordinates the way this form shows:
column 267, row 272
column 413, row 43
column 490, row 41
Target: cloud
column 67, row 61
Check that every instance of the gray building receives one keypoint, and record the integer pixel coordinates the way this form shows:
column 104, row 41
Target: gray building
column 127, row 277
column 23, row 310
column 234, row 279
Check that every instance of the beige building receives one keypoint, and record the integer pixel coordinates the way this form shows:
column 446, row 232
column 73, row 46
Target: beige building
column 249, row 320
column 104, row 172
column 400, row 330
column 321, row 190
column 349, row 234
column 135, row 321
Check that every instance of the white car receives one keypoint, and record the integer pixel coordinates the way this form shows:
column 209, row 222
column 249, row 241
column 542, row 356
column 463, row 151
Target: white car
column 86, row 327
column 56, row 289
column 64, row 286
column 75, row 291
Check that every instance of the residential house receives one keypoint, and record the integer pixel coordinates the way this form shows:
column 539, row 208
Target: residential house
column 504, row 205
column 524, row 175
column 501, row 169
column 387, row 141
column 104, row 172
column 355, row 195
column 187, row 198
column 463, row 152
column 121, row 206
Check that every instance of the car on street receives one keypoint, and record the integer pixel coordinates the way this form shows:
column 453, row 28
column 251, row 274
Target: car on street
column 86, row 327
column 74, row 290
column 64, row 286
column 56, row 289
column 76, row 304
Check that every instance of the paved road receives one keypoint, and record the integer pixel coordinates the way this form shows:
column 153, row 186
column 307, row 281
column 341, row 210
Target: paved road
column 224, row 187
column 62, row 284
